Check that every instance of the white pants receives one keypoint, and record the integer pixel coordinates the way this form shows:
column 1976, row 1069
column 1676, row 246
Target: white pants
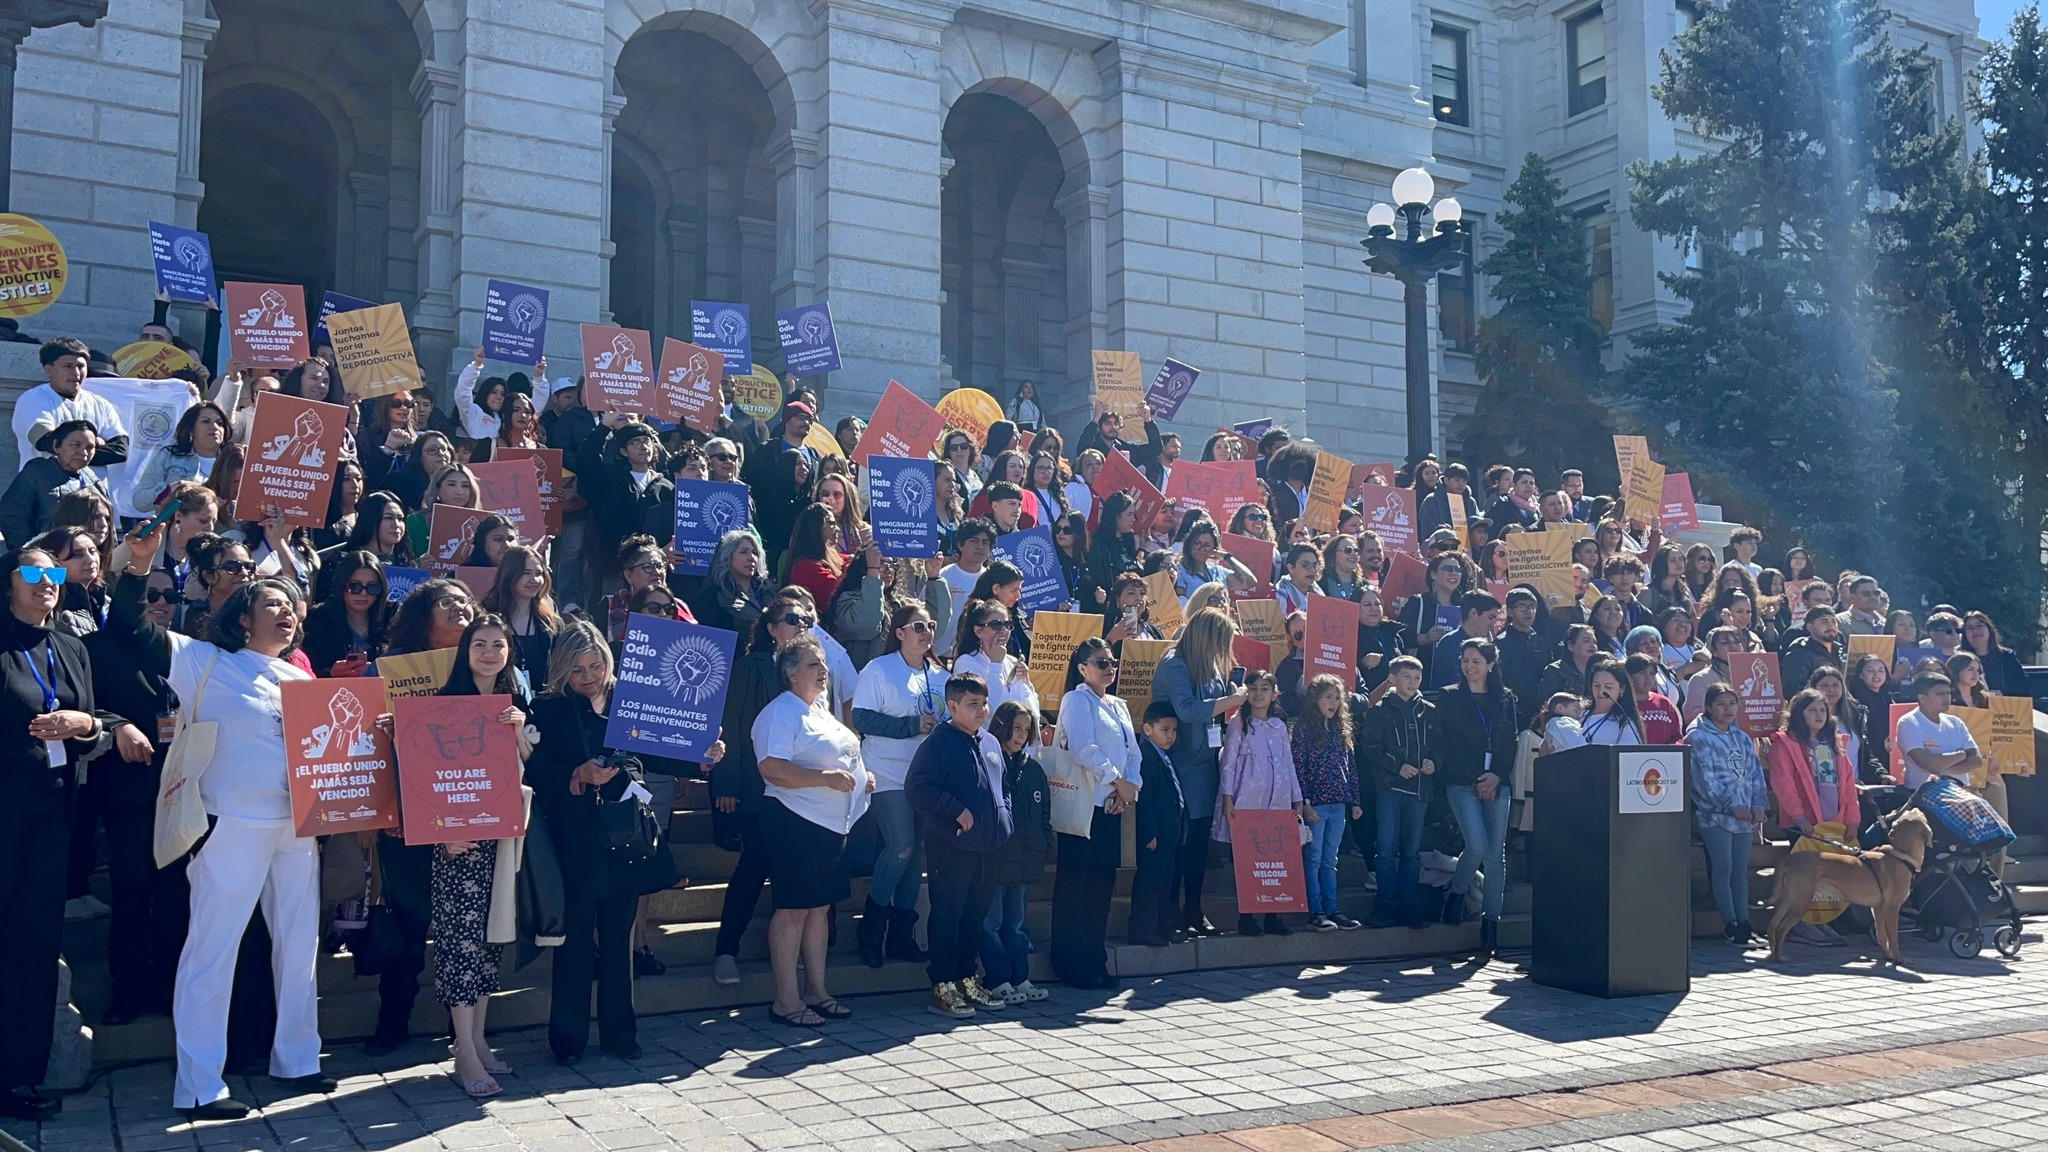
column 241, row 862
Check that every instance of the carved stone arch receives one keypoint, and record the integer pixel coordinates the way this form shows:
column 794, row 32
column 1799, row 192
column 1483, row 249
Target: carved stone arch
column 1058, row 85
column 775, row 38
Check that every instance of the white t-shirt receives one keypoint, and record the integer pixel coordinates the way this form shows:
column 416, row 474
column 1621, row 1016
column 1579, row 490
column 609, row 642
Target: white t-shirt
column 840, row 672
column 1565, row 732
column 889, row 685
column 246, row 777
column 1943, row 736
column 788, row 729
column 959, row 582
column 1001, row 687
column 42, row 405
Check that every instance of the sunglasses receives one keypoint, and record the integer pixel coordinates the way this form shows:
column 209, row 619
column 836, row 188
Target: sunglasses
column 997, row 625
column 1259, row 516
column 658, row 608
column 1103, row 662
column 950, row 448
column 1942, row 630
column 921, row 627
column 156, row 595
column 30, row 574
column 796, row 620
column 401, row 404
column 236, row 567
column 721, row 456
column 358, row 588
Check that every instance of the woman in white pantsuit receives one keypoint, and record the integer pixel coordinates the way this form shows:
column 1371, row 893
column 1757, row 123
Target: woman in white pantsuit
column 253, row 853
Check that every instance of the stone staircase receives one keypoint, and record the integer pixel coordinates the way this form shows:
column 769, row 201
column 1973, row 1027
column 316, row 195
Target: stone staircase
column 688, row 926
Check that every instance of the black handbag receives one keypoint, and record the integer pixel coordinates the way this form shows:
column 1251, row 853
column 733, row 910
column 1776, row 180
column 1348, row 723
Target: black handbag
column 635, row 839
column 379, row 946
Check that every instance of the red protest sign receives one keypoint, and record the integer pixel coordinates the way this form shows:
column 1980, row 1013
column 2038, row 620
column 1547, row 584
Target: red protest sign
column 1118, row 474
column 1265, row 850
column 1407, row 576
column 512, row 488
column 458, row 769
column 1679, row 509
column 1390, row 513
column 450, row 530
column 294, row 446
column 337, row 761
column 1251, row 653
column 618, row 368
column 1755, row 677
column 267, row 324
column 1219, row 487
column 1898, row 760
column 1332, row 640
column 1256, row 555
column 478, row 579
column 690, row 389
column 904, row 425
column 1365, row 475
column 547, row 473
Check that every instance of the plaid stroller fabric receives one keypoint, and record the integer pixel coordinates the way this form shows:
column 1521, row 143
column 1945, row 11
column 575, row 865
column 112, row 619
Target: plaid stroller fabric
column 1962, row 820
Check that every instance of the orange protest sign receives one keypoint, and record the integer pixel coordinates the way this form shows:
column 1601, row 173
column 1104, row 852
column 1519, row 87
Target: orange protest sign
column 338, row 763
column 2012, row 735
column 1139, row 662
column 450, row 531
column 1326, row 491
column 1264, row 622
column 1332, row 640
column 458, row 769
column 1755, row 677
column 416, row 673
column 1166, row 610
column 1645, row 490
column 373, row 347
column 1220, row 488
column 1265, row 850
column 970, row 411
column 1054, row 636
column 1626, row 449
column 1407, row 576
column 690, row 389
column 618, row 369
column 1254, row 554
column 477, row 579
column 294, row 446
column 512, row 488
column 1118, row 386
column 1366, row 475
column 151, row 360
column 904, row 426
column 267, row 324
column 1251, row 654
column 1680, row 511
column 1390, row 513
column 547, row 471
column 33, row 267
column 1543, row 560
column 1118, row 474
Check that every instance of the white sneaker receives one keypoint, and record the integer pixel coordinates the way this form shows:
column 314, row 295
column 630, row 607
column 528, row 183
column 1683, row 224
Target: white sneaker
column 1372, row 882
column 1005, row 993
column 1819, row 935
column 1320, row 923
column 725, row 970
column 1032, row 992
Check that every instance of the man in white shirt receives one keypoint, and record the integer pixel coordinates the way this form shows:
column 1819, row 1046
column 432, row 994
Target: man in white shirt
column 1932, row 742
column 975, row 541
column 65, row 397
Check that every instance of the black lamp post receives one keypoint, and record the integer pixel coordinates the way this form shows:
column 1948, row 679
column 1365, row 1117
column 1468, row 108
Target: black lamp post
column 1413, row 259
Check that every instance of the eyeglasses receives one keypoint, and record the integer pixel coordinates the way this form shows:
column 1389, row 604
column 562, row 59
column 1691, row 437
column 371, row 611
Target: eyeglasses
column 796, row 620
column 358, row 588
column 1103, row 662
column 952, row 448
column 996, row 625
column 154, row 595
column 649, row 566
column 30, row 574
column 450, row 603
column 236, row 567
column 1261, row 517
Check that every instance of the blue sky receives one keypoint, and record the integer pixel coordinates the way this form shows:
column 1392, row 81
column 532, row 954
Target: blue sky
column 1995, row 16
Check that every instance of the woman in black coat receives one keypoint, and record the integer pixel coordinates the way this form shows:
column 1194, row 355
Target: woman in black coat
column 1476, row 716
column 345, row 632
column 619, row 473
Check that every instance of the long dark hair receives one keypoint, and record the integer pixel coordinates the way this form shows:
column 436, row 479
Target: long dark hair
column 965, row 642
column 337, row 574
column 1083, row 653
column 1795, row 718
column 1624, row 710
column 226, row 630
column 902, row 616
column 362, row 536
column 462, row 681
column 188, row 424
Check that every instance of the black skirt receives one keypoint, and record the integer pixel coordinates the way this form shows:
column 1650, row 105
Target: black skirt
column 807, row 869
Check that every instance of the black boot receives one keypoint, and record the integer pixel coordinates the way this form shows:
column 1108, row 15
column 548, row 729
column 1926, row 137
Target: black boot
column 1489, row 939
column 1247, row 924
column 1454, row 908
column 901, row 941
column 874, row 923
column 1274, row 926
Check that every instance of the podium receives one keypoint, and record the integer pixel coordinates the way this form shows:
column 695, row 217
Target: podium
column 1609, row 865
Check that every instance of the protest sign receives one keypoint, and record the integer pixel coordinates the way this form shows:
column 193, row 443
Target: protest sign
column 1756, row 680
column 1543, row 560
column 903, row 509
column 1326, row 491
column 184, row 264
column 338, row 763
column 511, row 488
column 1332, row 640
column 547, row 474
column 1253, row 429
column 2012, row 735
column 757, row 393
column 416, row 673
column 820, row 440
column 1134, row 675
column 1254, row 554
column 1979, row 721
column 970, row 411
column 1165, row 600
column 1034, row 554
column 151, row 360
column 1914, row 655
column 618, row 369
column 458, row 769
column 450, row 532
column 33, row 267
column 810, row 346
column 1266, row 622
column 670, row 699
column 1265, row 851
column 904, row 426
column 330, row 303
column 399, row 582
column 1377, row 475
column 1680, row 512
column 691, row 387
column 266, row 324
column 1054, row 636
column 705, row 511
column 294, row 445
column 1407, row 576
column 1626, row 449
column 1118, row 387
column 1251, row 654
column 1898, row 760
column 478, row 580
column 1461, row 518
column 515, row 322
column 727, row 329
column 1219, row 488
column 1170, row 388
column 1118, row 474
column 1880, row 646
column 1644, row 490
column 150, row 411
column 373, row 346
column 1390, row 513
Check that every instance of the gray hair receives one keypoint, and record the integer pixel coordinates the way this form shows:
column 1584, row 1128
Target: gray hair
column 721, row 562
column 789, row 656
column 577, row 639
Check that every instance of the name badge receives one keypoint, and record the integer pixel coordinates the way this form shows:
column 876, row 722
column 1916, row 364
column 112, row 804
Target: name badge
column 1215, row 736
column 1488, row 763
column 58, row 756
column 166, row 728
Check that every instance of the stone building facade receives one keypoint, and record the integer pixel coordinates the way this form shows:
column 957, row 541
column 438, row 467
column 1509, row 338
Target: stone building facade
column 983, row 191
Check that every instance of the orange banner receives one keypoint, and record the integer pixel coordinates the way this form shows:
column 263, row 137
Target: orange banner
column 618, row 369
column 267, row 324
column 450, row 531
column 904, row 426
column 547, row 471
column 1332, row 640
column 294, row 448
column 690, row 389
column 458, row 769
column 337, row 761
column 512, row 488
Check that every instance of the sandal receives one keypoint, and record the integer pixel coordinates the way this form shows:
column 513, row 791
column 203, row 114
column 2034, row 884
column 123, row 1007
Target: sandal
column 492, row 1064
column 482, row 1089
column 831, row 1009
column 796, row 1019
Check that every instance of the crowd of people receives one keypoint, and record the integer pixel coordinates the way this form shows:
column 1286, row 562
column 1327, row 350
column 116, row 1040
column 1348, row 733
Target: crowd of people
column 882, row 716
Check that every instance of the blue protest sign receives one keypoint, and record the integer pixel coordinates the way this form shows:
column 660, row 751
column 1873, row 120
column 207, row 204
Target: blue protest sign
column 670, row 698
column 1253, row 428
column 1170, row 388
column 1032, row 551
column 399, row 582
column 330, row 304
column 726, row 330
column 184, row 263
column 809, row 345
column 902, row 508
column 515, row 322
column 705, row 511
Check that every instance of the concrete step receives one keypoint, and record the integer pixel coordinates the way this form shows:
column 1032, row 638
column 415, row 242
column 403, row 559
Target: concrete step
column 2030, row 899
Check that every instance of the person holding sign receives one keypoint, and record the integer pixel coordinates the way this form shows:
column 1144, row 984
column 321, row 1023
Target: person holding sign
column 898, row 699
column 230, row 680
column 1257, row 772
column 1095, row 730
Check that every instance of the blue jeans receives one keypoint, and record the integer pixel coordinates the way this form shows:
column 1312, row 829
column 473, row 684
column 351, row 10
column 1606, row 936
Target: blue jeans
column 1398, row 859
column 1728, row 871
column 1484, row 825
column 1319, row 858
column 899, row 865
column 1005, row 949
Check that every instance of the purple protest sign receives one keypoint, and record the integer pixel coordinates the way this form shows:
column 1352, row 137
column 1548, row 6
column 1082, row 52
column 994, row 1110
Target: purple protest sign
column 670, row 697
column 809, row 345
column 330, row 304
column 1170, row 388
column 1035, row 555
column 901, row 507
column 515, row 322
column 1253, row 428
column 184, row 263
column 725, row 329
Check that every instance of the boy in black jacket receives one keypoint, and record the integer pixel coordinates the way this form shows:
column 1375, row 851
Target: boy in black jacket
column 1400, row 746
column 955, row 785
column 1162, row 821
column 1005, row 948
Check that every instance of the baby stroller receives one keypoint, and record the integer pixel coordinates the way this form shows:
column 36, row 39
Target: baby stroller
column 1957, row 894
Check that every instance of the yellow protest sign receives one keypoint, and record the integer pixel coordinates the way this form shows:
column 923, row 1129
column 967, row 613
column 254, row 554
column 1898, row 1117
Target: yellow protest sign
column 419, row 674
column 1134, row 678
column 971, row 411
column 1460, row 517
column 1166, row 613
column 2012, row 735
column 1644, row 489
column 821, row 440
column 373, row 346
column 1883, row 646
column 1626, row 449
column 1264, row 620
column 1326, row 491
column 33, row 267
column 1118, row 387
column 1543, row 560
column 758, row 393
column 1979, row 721
column 1054, row 636
column 151, row 360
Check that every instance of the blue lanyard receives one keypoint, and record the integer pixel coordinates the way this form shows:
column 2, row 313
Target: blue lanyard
column 49, row 686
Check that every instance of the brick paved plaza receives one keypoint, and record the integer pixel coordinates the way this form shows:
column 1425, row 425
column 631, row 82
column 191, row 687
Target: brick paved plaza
column 1824, row 1053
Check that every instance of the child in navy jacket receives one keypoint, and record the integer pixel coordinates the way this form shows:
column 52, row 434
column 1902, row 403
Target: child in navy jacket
column 1162, row 823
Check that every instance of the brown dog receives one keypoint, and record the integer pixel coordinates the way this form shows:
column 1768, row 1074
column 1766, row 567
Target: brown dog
column 1879, row 880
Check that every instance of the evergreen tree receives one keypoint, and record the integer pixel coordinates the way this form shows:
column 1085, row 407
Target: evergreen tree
column 1540, row 349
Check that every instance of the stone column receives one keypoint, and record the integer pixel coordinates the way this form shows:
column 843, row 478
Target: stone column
column 753, row 272
column 17, row 19
column 197, row 41
column 1640, row 35
column 434, row 92
column 1085, row 210
column 795, row 160
column 613, row 105
column 683, row 262
column 369, row 197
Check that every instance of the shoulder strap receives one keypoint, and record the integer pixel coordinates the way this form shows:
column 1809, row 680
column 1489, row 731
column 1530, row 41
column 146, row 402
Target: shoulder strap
column 191, row 710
